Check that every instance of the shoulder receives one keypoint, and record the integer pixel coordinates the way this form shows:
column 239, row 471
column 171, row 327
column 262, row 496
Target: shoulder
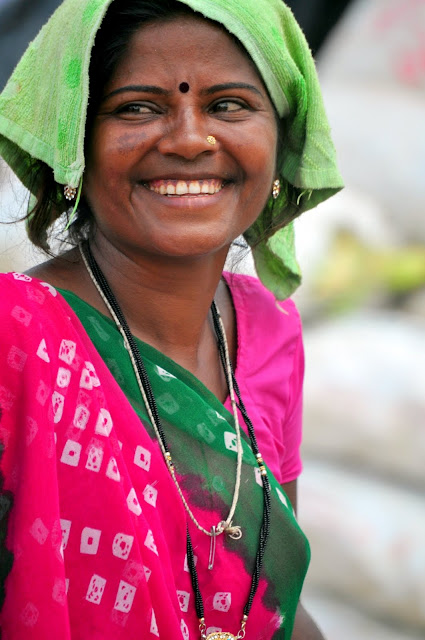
column 270, row 371
column 19, row 288
column 269, row 334
column 257, row 306
column 29, row 306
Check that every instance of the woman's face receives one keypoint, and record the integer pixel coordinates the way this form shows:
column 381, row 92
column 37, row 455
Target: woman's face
column 153, row 181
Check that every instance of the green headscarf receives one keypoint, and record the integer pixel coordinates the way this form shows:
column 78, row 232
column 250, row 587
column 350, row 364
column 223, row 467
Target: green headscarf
column 44, row 105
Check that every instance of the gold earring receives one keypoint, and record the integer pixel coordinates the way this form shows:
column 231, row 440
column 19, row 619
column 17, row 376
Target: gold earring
column 69, row 192
column 211, row 140
column 276, row 189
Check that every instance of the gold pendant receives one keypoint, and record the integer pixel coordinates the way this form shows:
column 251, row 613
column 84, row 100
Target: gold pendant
column 221, row 635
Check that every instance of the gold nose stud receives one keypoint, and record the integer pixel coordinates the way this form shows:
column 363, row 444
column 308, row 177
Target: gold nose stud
column 211, row 140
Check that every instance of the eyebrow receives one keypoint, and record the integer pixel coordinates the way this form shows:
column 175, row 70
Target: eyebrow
column 141, row 88
column 149, row 88
column 231, row 85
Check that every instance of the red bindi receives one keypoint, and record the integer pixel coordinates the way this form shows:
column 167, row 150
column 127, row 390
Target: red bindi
column 184, row 87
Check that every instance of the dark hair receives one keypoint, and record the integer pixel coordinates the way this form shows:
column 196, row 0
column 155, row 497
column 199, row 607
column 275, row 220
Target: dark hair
column 123, row 18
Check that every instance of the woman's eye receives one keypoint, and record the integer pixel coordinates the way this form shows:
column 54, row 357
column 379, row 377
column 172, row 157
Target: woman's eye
column 228, row 106
column 136, row 109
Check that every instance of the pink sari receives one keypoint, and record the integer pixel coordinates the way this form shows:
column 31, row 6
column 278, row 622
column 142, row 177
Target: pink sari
column 93, row 532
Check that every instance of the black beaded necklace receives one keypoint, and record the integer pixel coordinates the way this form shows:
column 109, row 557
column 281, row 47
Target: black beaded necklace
column 109, row 298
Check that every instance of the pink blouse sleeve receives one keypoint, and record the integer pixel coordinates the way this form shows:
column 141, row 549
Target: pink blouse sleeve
column 270, row 372
column 291, row 426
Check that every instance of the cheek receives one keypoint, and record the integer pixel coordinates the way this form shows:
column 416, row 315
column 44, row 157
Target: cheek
column 113, row 151
column 261, row 152
column 125, row 144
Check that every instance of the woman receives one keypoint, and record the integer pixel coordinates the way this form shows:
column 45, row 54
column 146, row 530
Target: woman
column 186, row 125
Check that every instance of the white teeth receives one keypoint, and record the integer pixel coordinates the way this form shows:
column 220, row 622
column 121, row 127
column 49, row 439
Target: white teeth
column 181, row 188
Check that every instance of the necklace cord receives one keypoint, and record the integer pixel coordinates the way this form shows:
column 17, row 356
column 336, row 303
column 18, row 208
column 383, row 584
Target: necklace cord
column 112, row 305
column 265, row 526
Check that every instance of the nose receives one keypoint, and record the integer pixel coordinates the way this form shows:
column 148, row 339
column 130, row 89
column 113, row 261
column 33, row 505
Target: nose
column 186, row 135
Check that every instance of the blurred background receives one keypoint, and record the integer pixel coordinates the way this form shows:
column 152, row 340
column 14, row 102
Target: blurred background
column 361, row 497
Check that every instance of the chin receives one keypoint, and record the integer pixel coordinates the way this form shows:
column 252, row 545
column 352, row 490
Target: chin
column 182, row 250
column 188, row 245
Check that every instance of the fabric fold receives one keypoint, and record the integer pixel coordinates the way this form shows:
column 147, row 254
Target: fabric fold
column 79, row 572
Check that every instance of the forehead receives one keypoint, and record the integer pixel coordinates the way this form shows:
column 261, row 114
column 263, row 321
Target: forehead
column 183, row 47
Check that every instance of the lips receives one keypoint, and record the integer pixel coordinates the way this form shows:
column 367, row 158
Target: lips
column 186, row 187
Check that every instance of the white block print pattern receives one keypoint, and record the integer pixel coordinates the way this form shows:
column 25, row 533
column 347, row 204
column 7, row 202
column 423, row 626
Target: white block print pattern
column 32, row 430
column 90, row 539
column 16, row 358
column 21, row 315
column 67, row 351
column 282, row 497
column 89, row 377
column 39, row 531
column 230, row 441
column 104, row 423
column 258, row 478
column 49, row 288
column 21, row 276
column 81, row 417
column 183, row 598
column 222, row 601
column 215, row 417
column 133, row 572
column 184, row 630
column 205, row 433
column 71, row 453
column 96, row 589
column 154, row 626
column 167, row 402
column 36, row 296
column 94, row 458
column 42, row 393
column 121, row 545
column 186, row 566
column 150, row 495
column 63, row 378
column 7, row 398
column 125, row 597
column 58, row 402
column 59, row 591
column 142, row 458
column 133, row 503
column 66, row 527
column 148, row 572
column 112, row 471
column 164, row 374
column 150, row 542
column 29, row 615
column 42, row 351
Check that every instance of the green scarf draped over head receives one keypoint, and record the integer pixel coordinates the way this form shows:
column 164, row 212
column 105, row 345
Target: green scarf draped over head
column 44, row 105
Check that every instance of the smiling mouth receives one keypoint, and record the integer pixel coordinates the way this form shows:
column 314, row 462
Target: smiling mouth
column 185, row 187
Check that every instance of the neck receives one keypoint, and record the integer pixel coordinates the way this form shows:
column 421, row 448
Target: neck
column 166, row 301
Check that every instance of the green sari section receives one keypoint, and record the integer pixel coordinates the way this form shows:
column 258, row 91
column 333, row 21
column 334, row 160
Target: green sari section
column 202, row 439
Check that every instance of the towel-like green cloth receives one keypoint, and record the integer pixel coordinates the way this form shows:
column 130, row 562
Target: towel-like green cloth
column 43, row 112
